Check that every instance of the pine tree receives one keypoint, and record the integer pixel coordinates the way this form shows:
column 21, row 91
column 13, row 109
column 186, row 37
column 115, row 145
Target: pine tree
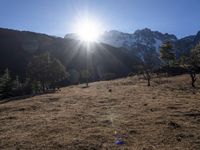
column 28, row 86
column 6, row 85
column 167, row 54
column 17, row 87
column 16, row 83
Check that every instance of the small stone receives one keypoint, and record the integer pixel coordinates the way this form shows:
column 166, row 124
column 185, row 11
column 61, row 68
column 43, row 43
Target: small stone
column 145, row 104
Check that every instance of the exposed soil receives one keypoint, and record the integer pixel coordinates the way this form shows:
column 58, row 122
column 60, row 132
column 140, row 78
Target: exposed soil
column 165, row 116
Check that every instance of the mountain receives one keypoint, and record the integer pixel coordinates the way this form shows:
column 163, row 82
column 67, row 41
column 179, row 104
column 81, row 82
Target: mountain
column 144, row 42
column 18, row 47
column 144, row 37
column 120, row 55
column 139, row 42
column 184, row 45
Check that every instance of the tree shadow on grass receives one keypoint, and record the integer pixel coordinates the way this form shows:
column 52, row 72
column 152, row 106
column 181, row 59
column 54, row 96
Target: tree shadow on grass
column 17, row 98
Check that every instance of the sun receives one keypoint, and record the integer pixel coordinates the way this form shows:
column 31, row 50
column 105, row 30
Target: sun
column 88, row 30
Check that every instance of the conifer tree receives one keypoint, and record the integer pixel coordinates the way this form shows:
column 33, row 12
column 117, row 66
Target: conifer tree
column 6, row 85
column 167, row 54
column 17, row 88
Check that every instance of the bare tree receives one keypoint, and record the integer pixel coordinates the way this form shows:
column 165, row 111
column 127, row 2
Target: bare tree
column 46, row 69
column 150, row 62
column 192, row 63
column 85, row 75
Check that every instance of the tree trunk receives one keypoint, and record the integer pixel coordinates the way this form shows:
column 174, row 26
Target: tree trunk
column 87, row 82
column 147, row 76
column 43, row 87
column 148, row 82
column 193, row 79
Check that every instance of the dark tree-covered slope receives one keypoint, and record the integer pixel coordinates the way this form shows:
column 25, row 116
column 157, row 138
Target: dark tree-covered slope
column 18, row 47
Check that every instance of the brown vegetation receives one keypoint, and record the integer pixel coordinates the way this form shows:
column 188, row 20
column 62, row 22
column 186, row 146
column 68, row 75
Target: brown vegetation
column 165, row 116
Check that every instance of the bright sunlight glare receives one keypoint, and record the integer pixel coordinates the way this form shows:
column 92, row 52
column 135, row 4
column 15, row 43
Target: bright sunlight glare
column 88, row 30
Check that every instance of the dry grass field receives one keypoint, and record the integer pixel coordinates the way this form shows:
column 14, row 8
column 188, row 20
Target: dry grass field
column 165, row 116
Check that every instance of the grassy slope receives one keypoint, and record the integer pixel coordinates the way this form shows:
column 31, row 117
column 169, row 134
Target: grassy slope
column 164, row 116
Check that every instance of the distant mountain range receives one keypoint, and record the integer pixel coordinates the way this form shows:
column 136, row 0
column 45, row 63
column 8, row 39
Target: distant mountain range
column 117, row 52
column 145, row 37
column 145, row 40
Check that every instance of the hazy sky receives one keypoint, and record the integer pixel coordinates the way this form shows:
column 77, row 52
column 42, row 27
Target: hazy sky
column 57, row 17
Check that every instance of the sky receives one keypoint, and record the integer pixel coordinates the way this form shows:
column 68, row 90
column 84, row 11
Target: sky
column 58, row 17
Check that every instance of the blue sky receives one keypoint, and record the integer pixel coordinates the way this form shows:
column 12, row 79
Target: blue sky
column 57, row 17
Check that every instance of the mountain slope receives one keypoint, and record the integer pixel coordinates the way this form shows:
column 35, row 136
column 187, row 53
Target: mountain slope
column 18, row 47
column 184, row 45
column 162, row 117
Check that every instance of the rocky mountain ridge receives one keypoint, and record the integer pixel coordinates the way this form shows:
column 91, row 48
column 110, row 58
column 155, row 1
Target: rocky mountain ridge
column 145, row 40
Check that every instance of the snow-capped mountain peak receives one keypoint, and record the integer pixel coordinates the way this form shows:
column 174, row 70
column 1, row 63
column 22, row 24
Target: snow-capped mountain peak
column 140, row 42
column 144, row 37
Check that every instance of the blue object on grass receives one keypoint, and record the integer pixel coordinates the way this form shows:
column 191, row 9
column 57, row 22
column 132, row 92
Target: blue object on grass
column 119, row 142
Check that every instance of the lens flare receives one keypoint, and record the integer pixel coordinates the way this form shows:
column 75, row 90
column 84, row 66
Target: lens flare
column 88, row 30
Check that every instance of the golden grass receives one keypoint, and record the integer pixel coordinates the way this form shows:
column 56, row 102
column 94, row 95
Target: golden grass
column 165, row 116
